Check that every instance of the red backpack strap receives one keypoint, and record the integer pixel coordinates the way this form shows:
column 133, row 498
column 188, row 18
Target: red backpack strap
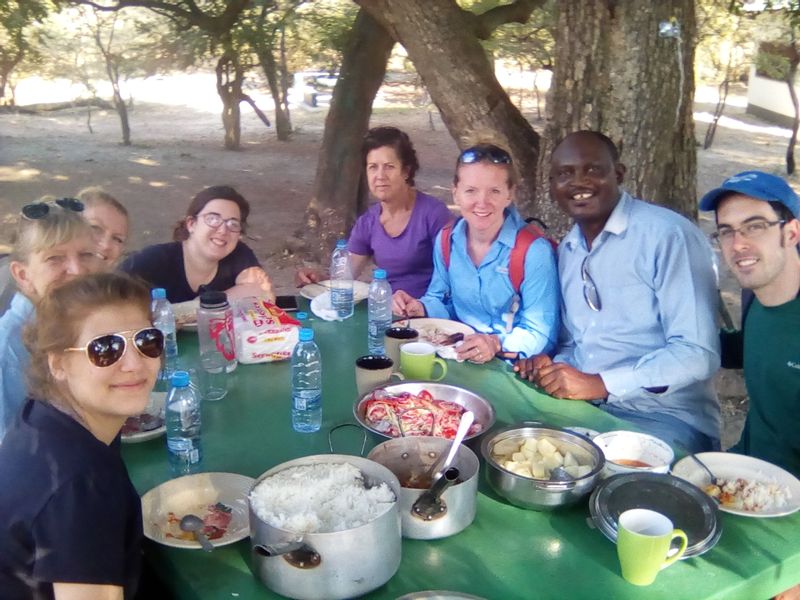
column 516, row 263
column 447, row 242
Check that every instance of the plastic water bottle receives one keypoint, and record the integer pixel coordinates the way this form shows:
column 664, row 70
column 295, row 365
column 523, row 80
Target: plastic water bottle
column 341, row 281
column 183, row 426
column 164, row 319
column 306, row 384
column 379, row 305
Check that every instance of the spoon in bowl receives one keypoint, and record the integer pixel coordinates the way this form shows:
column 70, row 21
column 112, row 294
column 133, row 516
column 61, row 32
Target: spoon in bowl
column 194, row 524
column 463, row 428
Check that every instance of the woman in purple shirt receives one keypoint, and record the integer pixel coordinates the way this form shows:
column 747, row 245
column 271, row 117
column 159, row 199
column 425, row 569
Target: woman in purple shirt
column 399, row 230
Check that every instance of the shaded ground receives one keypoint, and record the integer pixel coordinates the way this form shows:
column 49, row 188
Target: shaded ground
column 178, row 150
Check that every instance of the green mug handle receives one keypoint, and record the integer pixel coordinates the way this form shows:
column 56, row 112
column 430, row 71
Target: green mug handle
column 443, row 365
column 676, row 534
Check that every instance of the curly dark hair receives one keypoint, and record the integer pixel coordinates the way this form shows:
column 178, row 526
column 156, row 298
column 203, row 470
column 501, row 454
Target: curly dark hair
column 377, row 137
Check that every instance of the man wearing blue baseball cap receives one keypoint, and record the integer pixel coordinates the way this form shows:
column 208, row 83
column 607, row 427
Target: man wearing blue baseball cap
column 758, row 232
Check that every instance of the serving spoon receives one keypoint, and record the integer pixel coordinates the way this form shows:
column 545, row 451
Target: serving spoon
column 463, row 428
column 194, row 524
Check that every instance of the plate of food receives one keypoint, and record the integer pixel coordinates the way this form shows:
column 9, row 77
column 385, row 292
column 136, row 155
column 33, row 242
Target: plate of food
column 312, row 290
column 219, row 499
column 186, row 314
column 149, row 425
column 440, row 332
column 744, row 485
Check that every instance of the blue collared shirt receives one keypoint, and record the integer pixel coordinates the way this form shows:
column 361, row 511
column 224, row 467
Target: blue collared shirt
column 14, row 360
column 483, row 296
column 654, row 273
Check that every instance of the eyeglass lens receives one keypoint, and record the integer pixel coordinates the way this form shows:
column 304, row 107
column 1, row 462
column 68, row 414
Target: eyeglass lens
column 214, row 221
column 590, row 293
column 39, row 210
column 106, row 350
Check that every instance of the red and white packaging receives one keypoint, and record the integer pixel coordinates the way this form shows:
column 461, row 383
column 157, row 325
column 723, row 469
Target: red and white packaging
column 264, row 333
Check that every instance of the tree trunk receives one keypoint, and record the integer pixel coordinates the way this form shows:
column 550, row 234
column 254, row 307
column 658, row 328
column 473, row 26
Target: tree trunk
column 283, row 122
column 229, row 87
column 338, row 184
column 614, row 73
column 441, row 40
column 794, row 61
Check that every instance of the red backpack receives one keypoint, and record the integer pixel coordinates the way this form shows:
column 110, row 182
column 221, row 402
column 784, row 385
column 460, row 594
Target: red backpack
column 516, row 262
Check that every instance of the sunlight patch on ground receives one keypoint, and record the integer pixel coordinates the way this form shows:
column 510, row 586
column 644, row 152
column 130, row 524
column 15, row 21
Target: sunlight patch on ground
column 18, row 173
column 147, row 162
column 158, row 184
column 135, row 179
column 729, row 123
column 60, row 177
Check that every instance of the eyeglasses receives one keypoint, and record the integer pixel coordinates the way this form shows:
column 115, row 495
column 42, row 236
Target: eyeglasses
column 105, row 350
column 215, row 221
column 590, row 293
column 749, row 231
column 493, row 154
column 39, row 210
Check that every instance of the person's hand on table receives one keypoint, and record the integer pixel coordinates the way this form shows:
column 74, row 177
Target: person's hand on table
column 479, row 347
column 527, row 368
column 306, row 275
column 252, row 281
column 565, row 381
column 406, row 305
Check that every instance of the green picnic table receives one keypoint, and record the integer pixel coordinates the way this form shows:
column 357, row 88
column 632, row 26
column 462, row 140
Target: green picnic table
column 507, row 553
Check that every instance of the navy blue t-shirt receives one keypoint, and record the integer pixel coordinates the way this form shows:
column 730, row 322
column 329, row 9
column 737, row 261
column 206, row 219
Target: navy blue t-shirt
column 68, row 510
column 161, row 265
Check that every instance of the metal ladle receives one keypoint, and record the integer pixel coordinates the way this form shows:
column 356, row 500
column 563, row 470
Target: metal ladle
column 194, row 524
column 463, row 428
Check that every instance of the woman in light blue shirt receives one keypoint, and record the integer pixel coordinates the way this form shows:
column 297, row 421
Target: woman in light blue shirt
column 475, row 287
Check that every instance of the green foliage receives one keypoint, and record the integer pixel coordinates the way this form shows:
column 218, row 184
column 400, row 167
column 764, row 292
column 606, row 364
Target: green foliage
column 772, row 66
column 17, row 18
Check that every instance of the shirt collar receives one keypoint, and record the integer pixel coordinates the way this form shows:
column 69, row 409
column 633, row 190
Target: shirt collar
column 616, row 223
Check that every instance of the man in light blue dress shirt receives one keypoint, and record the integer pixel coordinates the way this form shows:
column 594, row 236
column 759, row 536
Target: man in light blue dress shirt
column 639, row 334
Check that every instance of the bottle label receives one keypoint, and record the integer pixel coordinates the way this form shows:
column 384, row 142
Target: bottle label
column 220, row 330
column 184, row 448
column 307, row 400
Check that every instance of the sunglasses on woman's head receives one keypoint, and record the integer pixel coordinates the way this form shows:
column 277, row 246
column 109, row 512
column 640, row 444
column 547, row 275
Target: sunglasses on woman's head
column 493, row 154
column 105, row 350
column 39, row 210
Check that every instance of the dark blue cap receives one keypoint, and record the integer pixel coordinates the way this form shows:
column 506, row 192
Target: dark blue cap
column 757, row 185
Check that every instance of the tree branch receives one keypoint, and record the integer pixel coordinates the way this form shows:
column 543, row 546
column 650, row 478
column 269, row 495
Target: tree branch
column 483, row 25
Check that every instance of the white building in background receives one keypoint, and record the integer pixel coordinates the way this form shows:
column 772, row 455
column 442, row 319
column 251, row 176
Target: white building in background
column 769, row 99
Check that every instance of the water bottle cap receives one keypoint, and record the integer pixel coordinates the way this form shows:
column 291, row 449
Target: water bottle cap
column 158, row 293
column 180, row 379
column 301, row 316
column 379, row 274
column 341, row 244
column 212, row 299
column 306, row 334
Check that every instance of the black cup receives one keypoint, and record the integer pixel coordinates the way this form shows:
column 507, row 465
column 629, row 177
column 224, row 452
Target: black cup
column 374, row 362
column 402, row 333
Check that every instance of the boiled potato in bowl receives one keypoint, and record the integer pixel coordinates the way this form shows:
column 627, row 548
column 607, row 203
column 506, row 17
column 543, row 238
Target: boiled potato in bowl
column 537, row 457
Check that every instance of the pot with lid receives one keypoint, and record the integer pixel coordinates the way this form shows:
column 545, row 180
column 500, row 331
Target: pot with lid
column 411, row 459
column 341, row 547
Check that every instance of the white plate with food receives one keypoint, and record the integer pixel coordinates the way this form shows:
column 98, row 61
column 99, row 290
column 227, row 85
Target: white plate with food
column 312, row 290
column 149, row 425
column 745, row 486
column 436, row 332
column 219, row 499
column 186, row 314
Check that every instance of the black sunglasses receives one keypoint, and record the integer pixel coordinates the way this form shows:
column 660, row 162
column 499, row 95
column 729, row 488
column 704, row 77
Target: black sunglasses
column 105, row 350
column 493, row 154
column 39, row 210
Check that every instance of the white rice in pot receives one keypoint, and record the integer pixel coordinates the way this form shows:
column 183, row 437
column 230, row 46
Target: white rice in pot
column 320, row 498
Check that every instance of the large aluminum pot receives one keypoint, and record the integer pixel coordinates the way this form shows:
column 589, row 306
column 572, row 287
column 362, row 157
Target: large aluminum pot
column 411, row 459
column 322, row 566
column 542, row 494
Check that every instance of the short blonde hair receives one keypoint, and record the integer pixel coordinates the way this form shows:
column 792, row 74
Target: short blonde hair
column 95, row 195
column 58, row 226
column 60, row 316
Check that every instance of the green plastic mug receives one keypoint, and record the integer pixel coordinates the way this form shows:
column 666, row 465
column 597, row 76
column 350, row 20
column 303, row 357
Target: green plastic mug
column 418, row 359
column 644, row 544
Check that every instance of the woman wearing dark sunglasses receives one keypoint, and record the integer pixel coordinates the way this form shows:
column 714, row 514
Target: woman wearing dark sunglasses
column 71, row 519
column 207, row 252
column 476, row 287
column 52, row 244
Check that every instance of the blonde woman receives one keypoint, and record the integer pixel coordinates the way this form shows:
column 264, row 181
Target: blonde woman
column 71, row 519
column 110, row 223
column 52, row 244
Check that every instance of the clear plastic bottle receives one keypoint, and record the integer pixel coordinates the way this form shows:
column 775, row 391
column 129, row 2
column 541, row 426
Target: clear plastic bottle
column 379, row 304
column 306, row 384
column 215, row 332
column 183, row 426
column 164, row 319
column 341, row 281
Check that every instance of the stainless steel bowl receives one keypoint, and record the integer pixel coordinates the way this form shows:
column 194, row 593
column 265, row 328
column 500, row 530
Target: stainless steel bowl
column 542, row 494
column 481, row 408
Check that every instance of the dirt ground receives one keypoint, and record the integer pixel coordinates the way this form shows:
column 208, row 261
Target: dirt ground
column 177, row 151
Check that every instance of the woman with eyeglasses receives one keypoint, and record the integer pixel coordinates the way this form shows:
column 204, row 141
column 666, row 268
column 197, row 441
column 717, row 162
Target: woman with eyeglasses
column 52, row 244
column 474, row 285
column 110, row 223
column 72, row 520
column 207, row 252
column 397, row 232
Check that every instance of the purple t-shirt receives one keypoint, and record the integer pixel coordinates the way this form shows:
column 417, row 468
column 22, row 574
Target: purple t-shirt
column 407, row 258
